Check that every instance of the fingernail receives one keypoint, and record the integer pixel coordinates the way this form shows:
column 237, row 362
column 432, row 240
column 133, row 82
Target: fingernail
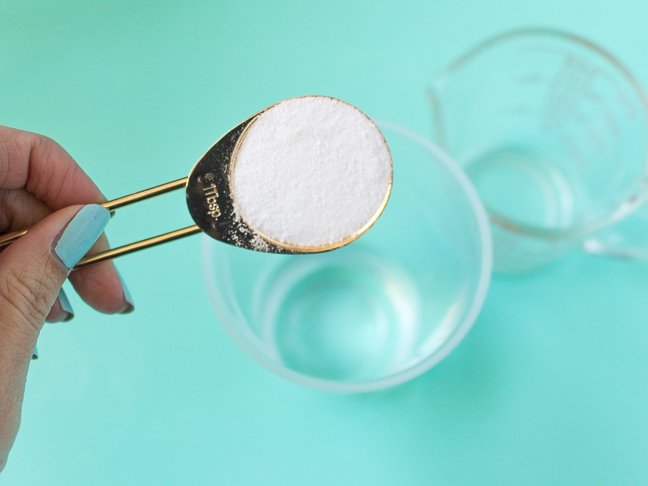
column 66, row 307
column 128, row 299
column 80, row 234
column 35, row 353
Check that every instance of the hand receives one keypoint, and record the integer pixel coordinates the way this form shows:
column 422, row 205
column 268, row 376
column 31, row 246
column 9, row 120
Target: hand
column 42, row 188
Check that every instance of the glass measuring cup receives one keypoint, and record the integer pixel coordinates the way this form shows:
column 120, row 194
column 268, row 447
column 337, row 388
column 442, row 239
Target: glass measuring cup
column 553, row 132
column 382, row 310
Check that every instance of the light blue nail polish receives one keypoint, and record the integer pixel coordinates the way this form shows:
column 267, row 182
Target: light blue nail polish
column 80, row 234
column 130, row 305
column 35, row 353
column 66, row 307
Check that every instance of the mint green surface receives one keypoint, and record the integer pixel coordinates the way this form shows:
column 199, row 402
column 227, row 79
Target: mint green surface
column 550, row 387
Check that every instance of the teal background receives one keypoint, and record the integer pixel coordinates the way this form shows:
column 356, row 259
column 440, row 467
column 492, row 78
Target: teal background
column 548, row 388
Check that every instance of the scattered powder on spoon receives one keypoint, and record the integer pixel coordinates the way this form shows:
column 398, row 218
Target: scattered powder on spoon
column 310, row 172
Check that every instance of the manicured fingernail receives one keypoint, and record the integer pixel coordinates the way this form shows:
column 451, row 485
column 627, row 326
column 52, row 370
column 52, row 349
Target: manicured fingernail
column 66, row 307
column 128, row 299
column 35, row 353
column 80, row 234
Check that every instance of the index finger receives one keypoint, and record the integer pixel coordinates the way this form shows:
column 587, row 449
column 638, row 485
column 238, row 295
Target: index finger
column 43, row 168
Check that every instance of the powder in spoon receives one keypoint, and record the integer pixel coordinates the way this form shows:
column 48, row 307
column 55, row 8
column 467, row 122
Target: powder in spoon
column 310, row 172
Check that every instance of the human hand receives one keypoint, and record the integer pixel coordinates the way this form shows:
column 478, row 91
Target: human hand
column 42, row 188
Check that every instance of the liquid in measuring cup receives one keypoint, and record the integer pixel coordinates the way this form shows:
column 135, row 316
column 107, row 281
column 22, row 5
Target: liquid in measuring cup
column 525, row 188
column 351, row 318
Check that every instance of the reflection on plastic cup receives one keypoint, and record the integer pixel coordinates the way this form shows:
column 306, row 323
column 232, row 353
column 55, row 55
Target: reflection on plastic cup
column 379, row 311
column 552, row 130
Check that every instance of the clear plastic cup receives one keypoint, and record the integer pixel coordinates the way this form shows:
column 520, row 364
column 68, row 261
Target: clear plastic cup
column 375, row 313
column 552, row 130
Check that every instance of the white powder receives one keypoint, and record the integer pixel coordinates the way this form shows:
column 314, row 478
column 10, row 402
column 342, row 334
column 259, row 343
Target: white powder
column 310, row 172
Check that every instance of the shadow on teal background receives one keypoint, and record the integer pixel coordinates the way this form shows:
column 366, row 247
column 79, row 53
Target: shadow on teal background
column 548, row 388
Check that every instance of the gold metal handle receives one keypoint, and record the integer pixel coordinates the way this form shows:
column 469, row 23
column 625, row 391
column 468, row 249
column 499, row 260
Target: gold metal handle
column 138, row 245
column 120, row 202
column 130, row 247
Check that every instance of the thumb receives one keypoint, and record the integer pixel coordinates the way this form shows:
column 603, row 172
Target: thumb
column 33, row 269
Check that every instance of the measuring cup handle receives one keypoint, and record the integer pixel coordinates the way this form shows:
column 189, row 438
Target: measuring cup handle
column 627, row 239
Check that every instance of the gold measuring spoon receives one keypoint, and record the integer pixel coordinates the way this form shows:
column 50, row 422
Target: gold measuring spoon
column 211, row 205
